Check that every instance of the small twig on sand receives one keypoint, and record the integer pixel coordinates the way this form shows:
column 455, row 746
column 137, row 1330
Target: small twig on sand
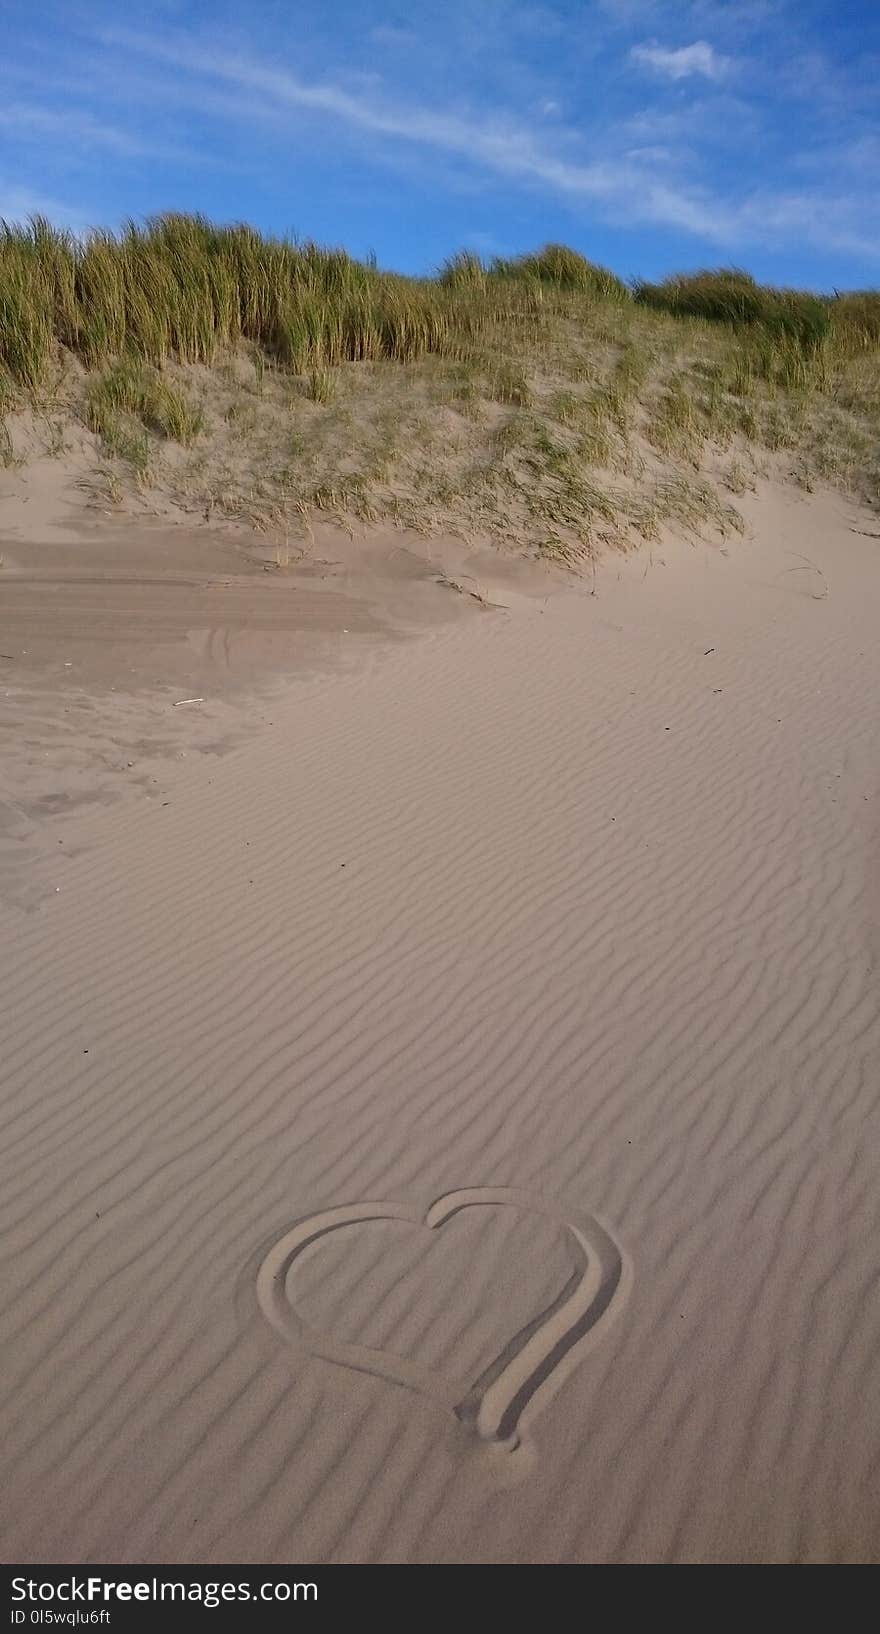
column 187, row 701
column 447, row 583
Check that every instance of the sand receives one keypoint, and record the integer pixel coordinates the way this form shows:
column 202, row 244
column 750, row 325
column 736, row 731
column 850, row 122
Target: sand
column 443, row 1125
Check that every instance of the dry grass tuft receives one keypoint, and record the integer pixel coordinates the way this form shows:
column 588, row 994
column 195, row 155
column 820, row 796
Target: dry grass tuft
column 129, row 399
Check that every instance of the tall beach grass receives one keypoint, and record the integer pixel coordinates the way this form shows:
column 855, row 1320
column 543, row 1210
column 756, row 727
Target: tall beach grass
column 180, row 287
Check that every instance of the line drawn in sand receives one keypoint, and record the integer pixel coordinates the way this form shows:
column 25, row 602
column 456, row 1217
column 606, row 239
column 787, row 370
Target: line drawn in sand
column 505, row 1398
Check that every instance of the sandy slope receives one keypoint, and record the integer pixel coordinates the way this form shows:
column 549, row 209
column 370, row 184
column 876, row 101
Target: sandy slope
column 580, row 899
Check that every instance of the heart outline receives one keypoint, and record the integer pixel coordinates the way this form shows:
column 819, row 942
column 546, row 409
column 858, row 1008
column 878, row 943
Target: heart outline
column 530, row 1367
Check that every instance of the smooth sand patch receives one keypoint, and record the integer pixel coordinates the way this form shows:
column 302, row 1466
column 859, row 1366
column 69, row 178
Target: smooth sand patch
column 578, row 897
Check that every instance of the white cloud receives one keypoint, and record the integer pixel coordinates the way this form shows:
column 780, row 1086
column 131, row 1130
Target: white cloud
column 687, row 60
column 651, row 154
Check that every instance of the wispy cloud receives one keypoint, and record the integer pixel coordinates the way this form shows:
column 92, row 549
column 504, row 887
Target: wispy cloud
column 31, row 121
column 500, row 145
column 684, row 62
column 19, row 204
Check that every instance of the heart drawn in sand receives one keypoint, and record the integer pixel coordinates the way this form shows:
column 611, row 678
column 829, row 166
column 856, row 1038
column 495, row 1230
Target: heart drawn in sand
column 528, row 1369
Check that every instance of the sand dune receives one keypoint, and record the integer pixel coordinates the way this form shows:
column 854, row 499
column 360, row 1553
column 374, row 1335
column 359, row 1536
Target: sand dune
column 577, row 898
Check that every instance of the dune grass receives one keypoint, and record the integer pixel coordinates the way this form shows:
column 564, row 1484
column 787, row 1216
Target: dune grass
column 732, row 296
column 182, row 288
column 562, row 268
column 536, row 399
column 131, row 387
column 555, row 267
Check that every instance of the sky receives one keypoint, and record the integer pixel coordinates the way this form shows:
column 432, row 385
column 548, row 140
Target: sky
column 652, row 135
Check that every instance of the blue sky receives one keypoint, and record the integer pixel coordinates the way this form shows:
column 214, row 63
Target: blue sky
column 651, row 134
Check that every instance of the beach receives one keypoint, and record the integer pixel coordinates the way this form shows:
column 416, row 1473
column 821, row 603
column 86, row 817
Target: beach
column 549, row 904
